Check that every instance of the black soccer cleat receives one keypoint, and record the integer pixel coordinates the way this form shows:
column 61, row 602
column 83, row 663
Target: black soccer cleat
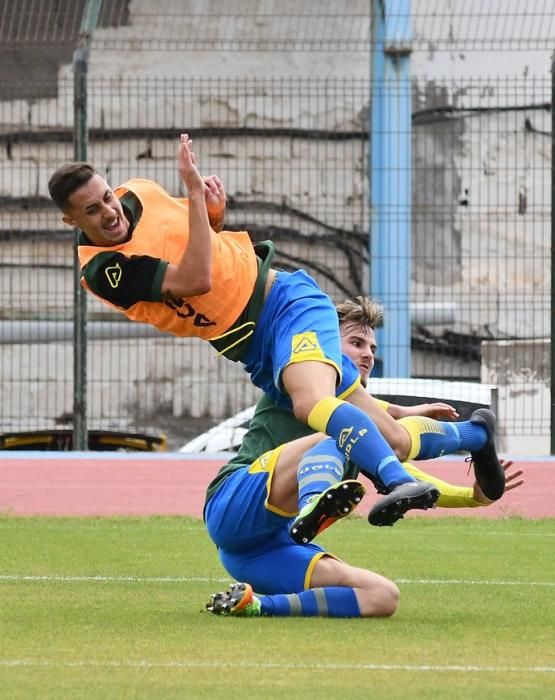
column 487, row 468
column 379, row 485
column 318, row 514
column 411, row 495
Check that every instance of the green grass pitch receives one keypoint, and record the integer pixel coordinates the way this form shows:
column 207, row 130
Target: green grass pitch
column 111, row 608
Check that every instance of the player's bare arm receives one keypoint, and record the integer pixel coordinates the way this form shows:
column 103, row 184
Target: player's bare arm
column 193, row 275
column 438, row 410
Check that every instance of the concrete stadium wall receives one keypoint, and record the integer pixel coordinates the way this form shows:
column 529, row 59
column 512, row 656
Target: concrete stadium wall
column 484, row 182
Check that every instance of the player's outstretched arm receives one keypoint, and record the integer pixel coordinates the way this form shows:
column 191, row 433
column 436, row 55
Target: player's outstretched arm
column 193, row 275
column 438, row 410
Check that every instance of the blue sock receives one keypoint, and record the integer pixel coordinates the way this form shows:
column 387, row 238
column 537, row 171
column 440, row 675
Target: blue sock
column 359, row 440
column 320, row 468
column 473, row 435
column 431, row 438
column 332, row 601
column 444, row 439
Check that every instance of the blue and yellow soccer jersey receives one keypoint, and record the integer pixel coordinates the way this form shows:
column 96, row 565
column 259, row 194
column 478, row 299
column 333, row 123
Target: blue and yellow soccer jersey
column 298, row 323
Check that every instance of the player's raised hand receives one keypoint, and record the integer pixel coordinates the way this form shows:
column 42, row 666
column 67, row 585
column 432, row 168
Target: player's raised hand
column 215, row 197
column 187, row 164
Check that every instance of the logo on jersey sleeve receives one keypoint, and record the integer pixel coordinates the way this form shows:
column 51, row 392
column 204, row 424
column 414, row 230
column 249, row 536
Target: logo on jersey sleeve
column 305, row 342
column 113, row 273
column 305, row 346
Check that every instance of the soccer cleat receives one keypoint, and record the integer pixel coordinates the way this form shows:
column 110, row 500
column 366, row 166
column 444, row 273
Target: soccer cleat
column 323, row 510
column 238, row 601
column 489, row 472
column 407, row 496
column 379, row 485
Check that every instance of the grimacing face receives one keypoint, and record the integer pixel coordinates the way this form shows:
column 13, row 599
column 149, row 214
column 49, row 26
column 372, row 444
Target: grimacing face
column 96, row 210
column 359, row 343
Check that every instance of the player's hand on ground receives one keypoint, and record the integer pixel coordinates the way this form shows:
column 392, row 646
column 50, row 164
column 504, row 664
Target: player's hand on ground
column 512, row 481
column 187, row 164
column 215, row 198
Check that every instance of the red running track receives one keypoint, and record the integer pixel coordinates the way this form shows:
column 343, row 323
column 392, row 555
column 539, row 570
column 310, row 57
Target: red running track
column 87, row 484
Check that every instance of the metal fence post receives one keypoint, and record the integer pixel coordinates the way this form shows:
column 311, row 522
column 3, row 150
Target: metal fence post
column 80, row 65
column 390, row 180
column 552, row 371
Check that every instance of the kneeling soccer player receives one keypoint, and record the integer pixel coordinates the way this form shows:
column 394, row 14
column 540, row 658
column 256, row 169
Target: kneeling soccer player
column 249, row 513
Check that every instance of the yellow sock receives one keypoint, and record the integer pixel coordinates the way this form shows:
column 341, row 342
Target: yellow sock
column 414, row 430
column 430, row 438
column 451, row 496
column 319, row 416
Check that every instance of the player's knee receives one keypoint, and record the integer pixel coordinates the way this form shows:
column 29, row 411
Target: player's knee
column 302, row 406
column 390, row 599
column 400, row 444
column 301, row 412
column 307, row 383
column 380, row 600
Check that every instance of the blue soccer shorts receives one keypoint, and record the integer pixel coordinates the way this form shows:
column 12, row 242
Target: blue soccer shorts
column 253, row 537
column 298, row 323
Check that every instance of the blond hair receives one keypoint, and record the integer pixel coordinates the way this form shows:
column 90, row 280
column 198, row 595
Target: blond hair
column 360, row 311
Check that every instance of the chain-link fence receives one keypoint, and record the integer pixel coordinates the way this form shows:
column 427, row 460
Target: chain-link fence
column 277, row 100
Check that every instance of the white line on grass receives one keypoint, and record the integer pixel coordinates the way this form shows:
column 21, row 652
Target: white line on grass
column 470, row 582
column 144, row 663
column 117, row 525
column 209, row 579
column 112, row 579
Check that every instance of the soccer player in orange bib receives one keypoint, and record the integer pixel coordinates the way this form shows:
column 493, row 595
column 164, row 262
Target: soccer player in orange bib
column 169, row 262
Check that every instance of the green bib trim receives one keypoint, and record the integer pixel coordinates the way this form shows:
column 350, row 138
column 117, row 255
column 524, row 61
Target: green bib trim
column 234, row 343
